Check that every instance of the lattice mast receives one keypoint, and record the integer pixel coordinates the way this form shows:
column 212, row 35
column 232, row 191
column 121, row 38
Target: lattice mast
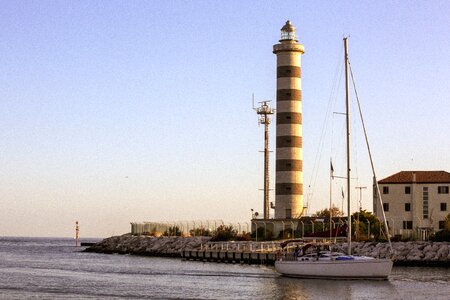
column 264, row 112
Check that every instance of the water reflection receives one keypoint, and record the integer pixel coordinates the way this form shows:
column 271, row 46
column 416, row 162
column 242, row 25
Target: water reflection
column 297, row 288
column 403, row 283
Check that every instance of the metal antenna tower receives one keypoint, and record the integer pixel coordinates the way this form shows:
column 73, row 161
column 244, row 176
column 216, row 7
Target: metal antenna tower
column 264, row 112
column 360, row 188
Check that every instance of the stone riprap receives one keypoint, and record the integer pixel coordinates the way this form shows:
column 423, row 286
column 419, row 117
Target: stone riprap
column 405, row 253
column 408, row 253
column 146, row 245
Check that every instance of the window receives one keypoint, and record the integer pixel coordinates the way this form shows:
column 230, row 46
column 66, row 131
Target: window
column 407, row 206
column 441, row 224
column 442, row 189
column 386, row 206
column 425, row 202
column 443, row 206
column 407, row 225
column 407, row 190
column 385, row 190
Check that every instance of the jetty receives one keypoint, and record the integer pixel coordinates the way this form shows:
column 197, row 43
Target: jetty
column 413, row 253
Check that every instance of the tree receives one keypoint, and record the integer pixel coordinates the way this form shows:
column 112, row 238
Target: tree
column 444, row 234
column 369, row 224
column 200, row 232
column 245, row 236
column 447, row 223
column 224, row 233
column 325, row 213
column 172, row 231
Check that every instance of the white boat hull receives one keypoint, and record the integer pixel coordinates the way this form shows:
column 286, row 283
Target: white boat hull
column 336, row 269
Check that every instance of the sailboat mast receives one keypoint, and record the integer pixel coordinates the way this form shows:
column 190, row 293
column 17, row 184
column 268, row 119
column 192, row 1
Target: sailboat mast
column 347, row 117
column 331, row 197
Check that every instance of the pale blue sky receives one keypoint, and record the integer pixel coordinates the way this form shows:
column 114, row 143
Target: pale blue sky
column 119, row 111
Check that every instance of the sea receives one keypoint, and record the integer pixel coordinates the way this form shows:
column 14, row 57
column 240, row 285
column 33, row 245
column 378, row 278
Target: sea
column 54, row 268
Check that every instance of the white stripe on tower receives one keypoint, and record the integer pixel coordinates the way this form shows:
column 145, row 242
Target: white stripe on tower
column 289, row 158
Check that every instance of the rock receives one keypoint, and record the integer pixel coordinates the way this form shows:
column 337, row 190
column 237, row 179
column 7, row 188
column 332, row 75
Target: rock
column 442, row 252
column 427, row 248
column 404, row 252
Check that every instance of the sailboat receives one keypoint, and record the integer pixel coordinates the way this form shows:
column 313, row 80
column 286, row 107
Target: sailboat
column 336, row 265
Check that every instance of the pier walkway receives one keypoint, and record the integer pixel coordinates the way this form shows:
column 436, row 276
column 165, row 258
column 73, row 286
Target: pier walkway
column 235, row 252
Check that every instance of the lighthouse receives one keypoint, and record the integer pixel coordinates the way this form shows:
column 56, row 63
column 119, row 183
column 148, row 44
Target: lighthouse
column 289, row 167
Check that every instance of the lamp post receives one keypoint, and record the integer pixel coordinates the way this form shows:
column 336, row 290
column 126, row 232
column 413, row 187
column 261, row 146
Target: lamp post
column 303, row 228
column 293, row 232
column 360, row 208
column 77, row 230
column 265, row 229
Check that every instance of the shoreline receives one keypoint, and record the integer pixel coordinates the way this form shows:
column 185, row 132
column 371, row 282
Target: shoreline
column 413, row 254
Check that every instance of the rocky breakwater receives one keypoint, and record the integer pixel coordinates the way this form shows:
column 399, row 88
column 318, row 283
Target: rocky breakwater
column 405, row 253
column 147, row 245
column 408, row 253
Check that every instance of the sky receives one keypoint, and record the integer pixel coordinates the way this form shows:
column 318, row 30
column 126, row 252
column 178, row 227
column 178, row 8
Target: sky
column 121, row 111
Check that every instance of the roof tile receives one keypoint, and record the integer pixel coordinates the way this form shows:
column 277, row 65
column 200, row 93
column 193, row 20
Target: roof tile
column 421, row 177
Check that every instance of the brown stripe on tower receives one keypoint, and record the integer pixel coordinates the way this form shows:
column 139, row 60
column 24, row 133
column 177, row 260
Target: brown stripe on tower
column 289, row 189
column 289, row 95
column 289, row 71
column 289, row 141
column 289, row 165
column 289, row 118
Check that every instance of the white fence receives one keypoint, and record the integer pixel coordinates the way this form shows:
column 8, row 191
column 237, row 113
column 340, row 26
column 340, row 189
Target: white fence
column 184, row 227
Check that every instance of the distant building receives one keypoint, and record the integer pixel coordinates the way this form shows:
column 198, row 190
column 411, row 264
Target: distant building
column 415, row 202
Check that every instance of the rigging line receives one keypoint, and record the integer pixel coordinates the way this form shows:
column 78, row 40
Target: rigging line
column 317, row 158
column 340, row 133
column 371, row 160
column 323, row 132
column 333, row 108
column 334, row 105
column 355, row 141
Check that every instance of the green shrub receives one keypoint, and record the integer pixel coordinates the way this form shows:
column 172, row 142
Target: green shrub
column 224, row 233
column 172, row 231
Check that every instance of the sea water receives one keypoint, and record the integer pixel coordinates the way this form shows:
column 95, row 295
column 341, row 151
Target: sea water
column 52, row 268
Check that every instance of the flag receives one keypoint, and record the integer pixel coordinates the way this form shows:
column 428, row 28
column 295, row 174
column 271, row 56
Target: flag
column 331, row 169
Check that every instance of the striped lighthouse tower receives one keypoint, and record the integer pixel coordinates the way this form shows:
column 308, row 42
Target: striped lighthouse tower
column 289, row 167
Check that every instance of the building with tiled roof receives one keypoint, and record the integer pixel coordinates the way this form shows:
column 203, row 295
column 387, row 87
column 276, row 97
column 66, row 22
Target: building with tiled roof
column 415, row 202
column 417, row 177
